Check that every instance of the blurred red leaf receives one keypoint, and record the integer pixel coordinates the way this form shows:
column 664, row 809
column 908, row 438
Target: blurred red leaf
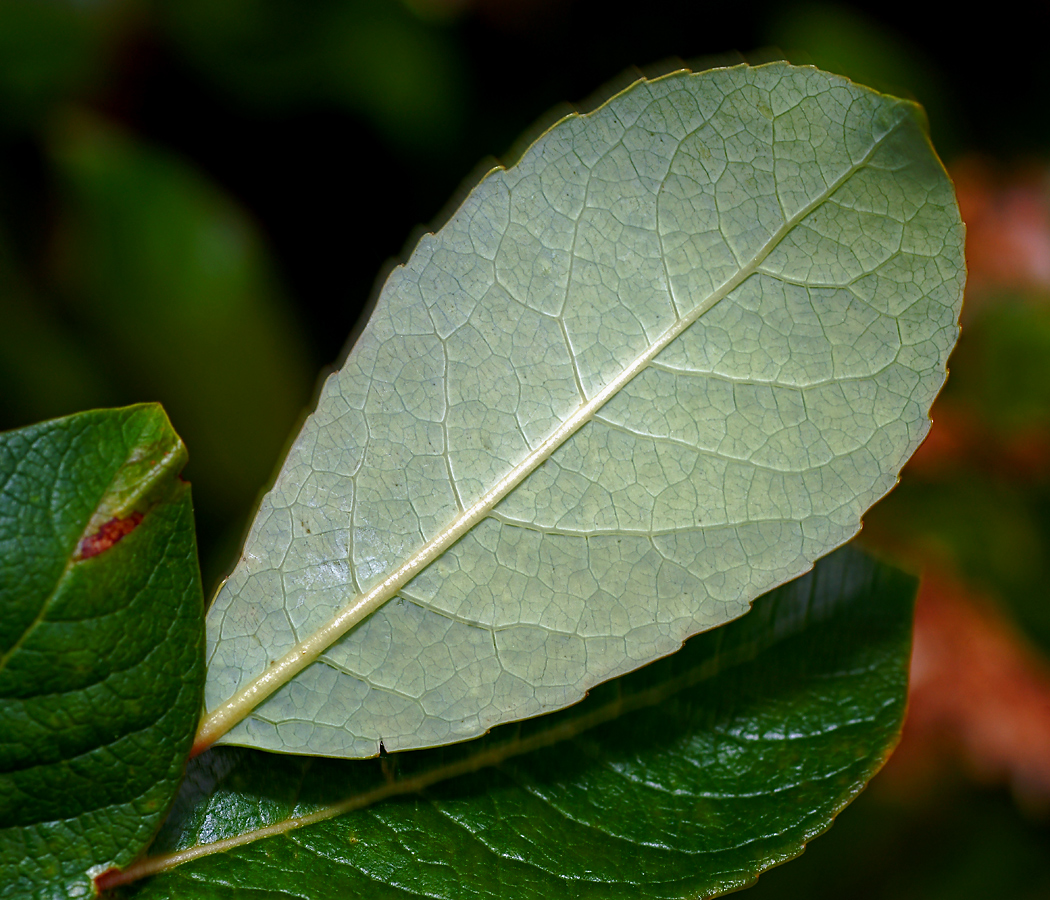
column 960, row 438
column 1007, row 225
column 978, row 693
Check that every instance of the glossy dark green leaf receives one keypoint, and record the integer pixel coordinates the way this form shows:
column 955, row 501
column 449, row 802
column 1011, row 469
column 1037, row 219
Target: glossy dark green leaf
column 684, row 779
column 101, row 630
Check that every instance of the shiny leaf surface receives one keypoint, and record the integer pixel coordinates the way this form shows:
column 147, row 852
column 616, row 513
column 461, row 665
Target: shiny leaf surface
column 101, row 644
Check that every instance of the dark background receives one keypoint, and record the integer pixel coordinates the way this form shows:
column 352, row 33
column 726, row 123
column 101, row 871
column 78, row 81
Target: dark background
column 197, row 197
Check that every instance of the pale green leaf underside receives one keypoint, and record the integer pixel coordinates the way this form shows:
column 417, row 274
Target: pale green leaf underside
column 782, row 252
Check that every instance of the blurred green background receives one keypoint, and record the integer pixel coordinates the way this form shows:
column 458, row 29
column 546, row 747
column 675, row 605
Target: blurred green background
column 196, row 199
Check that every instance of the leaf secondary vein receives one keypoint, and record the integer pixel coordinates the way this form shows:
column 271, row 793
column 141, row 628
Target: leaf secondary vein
column 221, row 719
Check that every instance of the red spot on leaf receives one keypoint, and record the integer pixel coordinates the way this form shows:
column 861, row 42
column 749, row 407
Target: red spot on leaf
column 108, row 879
column 110, row 533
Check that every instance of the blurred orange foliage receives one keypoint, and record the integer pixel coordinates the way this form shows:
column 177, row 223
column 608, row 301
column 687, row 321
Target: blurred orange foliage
column 978, row 693
column 1007, row 218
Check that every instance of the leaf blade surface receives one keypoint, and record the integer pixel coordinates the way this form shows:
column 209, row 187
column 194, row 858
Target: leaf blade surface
column 102, row 664
column 648, row 373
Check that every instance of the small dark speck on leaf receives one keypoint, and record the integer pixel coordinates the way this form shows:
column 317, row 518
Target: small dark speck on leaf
column 387, row 764
column 109, row 534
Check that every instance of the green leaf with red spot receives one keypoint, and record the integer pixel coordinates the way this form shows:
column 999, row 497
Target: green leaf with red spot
column 101, row 666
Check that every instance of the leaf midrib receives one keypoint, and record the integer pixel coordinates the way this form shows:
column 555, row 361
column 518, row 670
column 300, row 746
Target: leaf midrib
column 222, row 718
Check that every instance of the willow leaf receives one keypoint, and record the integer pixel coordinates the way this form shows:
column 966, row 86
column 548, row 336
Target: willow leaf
column 653, row 370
